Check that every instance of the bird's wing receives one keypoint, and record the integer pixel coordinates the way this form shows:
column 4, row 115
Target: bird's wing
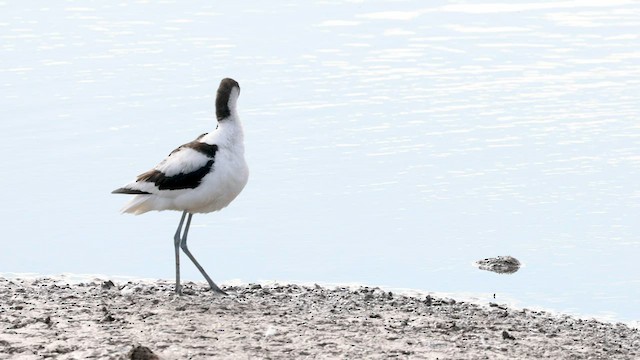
column 184, row 168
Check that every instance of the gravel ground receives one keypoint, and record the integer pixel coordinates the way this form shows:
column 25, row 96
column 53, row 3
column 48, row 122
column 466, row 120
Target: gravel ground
column 47, row 318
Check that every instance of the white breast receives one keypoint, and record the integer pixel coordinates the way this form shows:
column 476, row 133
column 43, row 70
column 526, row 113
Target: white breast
column 228, row 176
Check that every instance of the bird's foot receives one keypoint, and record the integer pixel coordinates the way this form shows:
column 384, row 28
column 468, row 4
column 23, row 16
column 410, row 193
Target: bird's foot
column 217, row 291
column 179, row 290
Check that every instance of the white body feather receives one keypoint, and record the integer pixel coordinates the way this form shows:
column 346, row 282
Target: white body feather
column 225, row 180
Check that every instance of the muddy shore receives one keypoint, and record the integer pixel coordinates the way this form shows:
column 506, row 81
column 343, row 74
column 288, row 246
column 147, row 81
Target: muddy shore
column 104, row 319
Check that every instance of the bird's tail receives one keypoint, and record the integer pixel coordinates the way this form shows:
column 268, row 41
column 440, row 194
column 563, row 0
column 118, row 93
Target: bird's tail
column 139, row 204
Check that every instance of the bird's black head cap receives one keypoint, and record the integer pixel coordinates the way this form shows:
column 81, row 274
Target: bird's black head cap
column 225, row 100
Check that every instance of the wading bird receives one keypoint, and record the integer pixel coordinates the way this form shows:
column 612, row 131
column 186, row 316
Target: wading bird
column 201, row 176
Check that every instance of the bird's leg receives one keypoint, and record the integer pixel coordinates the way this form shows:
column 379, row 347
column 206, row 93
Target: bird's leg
column 184, row 247
column 176, row 241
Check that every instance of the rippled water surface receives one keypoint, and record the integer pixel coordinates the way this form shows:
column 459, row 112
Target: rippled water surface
column 390, row 142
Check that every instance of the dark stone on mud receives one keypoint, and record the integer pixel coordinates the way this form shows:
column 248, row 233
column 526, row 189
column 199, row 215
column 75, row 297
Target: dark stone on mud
column 507, row 336
column 500, row 264
column 142, row 353
column 428, row 300
column 108, row 318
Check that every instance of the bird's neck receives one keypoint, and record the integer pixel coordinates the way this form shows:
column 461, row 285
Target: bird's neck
column 231, row 129
column 225, row 109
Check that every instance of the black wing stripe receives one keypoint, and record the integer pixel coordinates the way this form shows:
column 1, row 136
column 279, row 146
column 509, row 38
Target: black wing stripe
column 130, row 191
column 179, row 181
column 203, row 148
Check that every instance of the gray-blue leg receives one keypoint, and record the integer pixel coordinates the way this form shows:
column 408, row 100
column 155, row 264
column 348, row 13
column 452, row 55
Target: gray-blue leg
column 183, row 245
column 176, row 241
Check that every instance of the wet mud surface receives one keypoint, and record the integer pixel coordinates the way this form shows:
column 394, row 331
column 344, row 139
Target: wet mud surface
column 45, row 318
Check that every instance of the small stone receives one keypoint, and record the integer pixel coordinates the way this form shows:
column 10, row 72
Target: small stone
column 108, row 318
column 188, row 291
column 499, row 264
column 507, row 336
column 108, row 285
column 142, row 353
column 428, row 300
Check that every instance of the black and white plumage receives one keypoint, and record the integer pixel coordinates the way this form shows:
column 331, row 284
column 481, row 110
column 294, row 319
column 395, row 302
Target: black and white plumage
column 201, row 176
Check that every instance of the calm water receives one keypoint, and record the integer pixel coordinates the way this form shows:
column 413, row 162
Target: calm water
column 391, row 143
